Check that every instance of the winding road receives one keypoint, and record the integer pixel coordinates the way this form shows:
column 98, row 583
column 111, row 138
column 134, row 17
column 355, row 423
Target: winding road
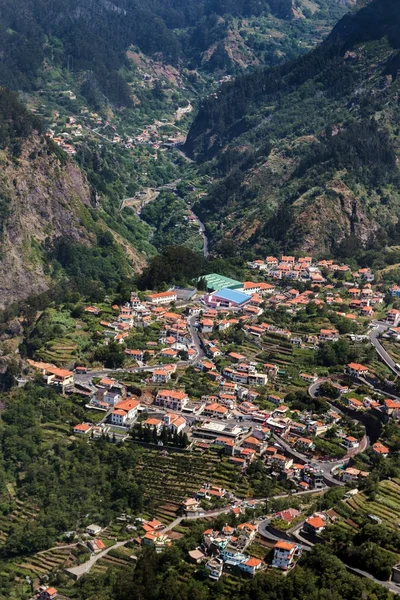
column 373, row 335
column 84, row 568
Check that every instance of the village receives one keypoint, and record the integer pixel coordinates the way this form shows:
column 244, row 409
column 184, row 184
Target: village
column 229, row 369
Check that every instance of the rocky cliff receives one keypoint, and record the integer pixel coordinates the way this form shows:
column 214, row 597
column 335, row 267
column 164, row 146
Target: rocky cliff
column 43, row 198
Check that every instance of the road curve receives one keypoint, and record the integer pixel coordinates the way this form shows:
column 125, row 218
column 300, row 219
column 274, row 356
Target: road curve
column 373, row 338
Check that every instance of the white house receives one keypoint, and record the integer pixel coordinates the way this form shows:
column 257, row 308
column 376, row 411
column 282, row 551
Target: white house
column 284, row 554
column 172, row 399
column 162, row 297
column 251, row 565
column 161, row 376
column 93, row 529
column 123, row 411
column 357, row 370
column 174, row 422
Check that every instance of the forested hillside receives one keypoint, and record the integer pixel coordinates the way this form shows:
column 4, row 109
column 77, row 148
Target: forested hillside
column 91, row 38
column 48, row 219
column 306, row 152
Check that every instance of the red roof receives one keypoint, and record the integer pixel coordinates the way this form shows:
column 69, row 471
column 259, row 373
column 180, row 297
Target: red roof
column 316, row 522
column 282, row 545
column 253, row 562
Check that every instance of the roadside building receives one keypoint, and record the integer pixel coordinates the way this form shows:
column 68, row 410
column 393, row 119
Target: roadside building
column 284, row 554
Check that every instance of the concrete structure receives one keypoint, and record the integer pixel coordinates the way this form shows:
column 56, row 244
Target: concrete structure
column 227, row 298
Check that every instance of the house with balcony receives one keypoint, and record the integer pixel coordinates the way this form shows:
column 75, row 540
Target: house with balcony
column 285, row 554
column 356, row 370
column 172, row 399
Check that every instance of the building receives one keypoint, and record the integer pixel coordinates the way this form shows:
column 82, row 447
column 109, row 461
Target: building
column 175, row 423
column 314, row 525
column 93, row 529
column 396, row 574
column 59, row 377
column 161, row 376
column 380, row 450
column 124, row 411
column 258, row 379
column 159, row 541
column 393, row 317
column 280, row 462
column 216, row 410
column 352, row 475
column 48, row 593
column 288, row 515
column 110, row 396
column 249, row 287
column 190, row 505
column 350, row 442
column 284, row 554
column 96, row 546
column 215, row 429
column 153, row 423
column 395, row 291
column 356, row 370
column 82, row 428
column 228, row 298
column 52, row 375
column 251, row 565
column 328, row 335
column 313, row 477
column 215, row 567
column 172, row 399
column 162, row 297
column 136, row 354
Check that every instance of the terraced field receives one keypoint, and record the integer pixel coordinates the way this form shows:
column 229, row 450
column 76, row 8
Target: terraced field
column 118, row 558
column 170, row 478
column 59, row 351
column 47, row 561
column 386, row 505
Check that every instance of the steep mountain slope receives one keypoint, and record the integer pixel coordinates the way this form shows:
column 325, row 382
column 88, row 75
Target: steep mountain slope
column 91, row 38
column 44, row 199
column 307, row 152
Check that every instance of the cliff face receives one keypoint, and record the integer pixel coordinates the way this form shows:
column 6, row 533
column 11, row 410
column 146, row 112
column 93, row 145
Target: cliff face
column 43, row 199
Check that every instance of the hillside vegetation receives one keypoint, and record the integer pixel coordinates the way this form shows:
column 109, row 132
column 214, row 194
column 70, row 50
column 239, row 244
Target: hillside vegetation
column 91, row 39
column 306, row 152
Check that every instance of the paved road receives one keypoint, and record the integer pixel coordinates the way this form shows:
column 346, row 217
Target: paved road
column 194, row 334
column 263, row 530
column 307, row 546
column 203, row 233
column 85, row 567
column 387, row 584
column 325, row 466
column 373, row 338
column 86, row 378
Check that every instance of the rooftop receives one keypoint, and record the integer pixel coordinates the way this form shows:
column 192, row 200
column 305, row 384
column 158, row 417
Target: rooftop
column 232, row 295
column 214, row 281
